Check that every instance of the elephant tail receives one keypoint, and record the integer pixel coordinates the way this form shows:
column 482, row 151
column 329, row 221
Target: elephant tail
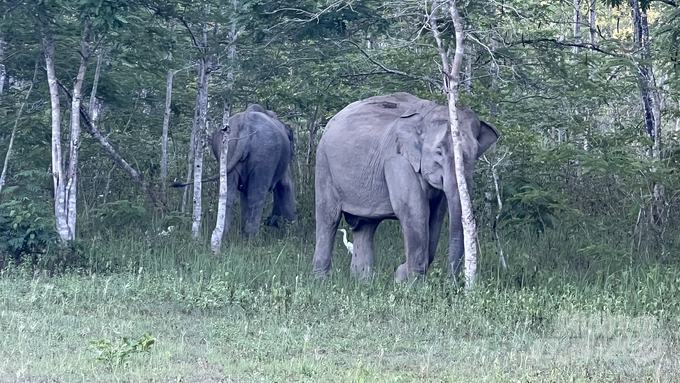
column 181, row 184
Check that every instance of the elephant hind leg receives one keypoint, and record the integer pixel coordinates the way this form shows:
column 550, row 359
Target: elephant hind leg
column 362, row 259
column 284, row 202
column 328, row 213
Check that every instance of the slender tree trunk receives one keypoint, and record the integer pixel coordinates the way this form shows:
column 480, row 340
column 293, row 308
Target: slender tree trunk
column 577, row 24
column 592, row 17
column 649, row 93
column 231, row 56
column 3, row 70
column 190, row 161
column 57, row 162
column 93, row 109
column 468, row 68
column 218, row 233
column 451, row 70
column 3, row 175
column 199, row 133
column 164, row 139
column 74, row 147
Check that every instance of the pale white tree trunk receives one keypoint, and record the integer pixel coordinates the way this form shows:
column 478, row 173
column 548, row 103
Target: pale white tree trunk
column 577, row 24
column 94, row 110
column 164, row 139
column 57, row 162
column 3, row 175
column 216, row 240
column 74, row 147
column 199, row 133
column 451, row 69
column 3, row 70
column 677, row 120
column 468, row 68
column 592, row 16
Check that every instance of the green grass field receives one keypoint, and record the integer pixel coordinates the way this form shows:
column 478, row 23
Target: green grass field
column 256, row 314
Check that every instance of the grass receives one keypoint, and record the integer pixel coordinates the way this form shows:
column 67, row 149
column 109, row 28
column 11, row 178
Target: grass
column 255, row 314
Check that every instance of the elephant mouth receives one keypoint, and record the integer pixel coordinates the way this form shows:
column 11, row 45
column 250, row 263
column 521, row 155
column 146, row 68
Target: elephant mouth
column 437, row 181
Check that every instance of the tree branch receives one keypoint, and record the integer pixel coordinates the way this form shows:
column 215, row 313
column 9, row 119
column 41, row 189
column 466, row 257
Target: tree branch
column 589, row 46
column 397, row 72
column 94, row 132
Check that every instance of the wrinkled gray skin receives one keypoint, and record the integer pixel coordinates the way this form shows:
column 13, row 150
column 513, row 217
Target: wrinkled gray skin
column 260, row 151
column 391, row 157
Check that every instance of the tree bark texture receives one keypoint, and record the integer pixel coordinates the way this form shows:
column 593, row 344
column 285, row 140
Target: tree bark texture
column 451, row 70
column 57, row 164
column 74, row 147
column 3, row 70
column 164, row 139
column 577, row 24
column 218, row 233
column 592, row 18
column 200, row 118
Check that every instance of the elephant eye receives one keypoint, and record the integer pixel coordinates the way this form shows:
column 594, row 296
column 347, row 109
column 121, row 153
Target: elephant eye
column 439, row 151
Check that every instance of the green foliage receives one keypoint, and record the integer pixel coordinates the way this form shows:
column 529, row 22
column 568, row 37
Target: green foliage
column 118, row 353
column 26, row 229
column 121, row 214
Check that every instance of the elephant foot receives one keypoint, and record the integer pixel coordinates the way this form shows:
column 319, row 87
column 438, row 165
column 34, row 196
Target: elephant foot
column 361, row 272
column 273, row 221
column 322, row 274
column 404, row 275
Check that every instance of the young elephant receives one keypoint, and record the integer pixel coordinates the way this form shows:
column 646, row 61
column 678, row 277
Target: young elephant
column 260, row 152
column 391, row 157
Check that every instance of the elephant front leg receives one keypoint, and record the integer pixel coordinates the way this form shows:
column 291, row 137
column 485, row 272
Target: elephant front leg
column 362, row 259
column 412, row 207
column 437, row 213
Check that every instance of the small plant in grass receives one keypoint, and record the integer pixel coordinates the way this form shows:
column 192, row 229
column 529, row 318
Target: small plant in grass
column 116, row 354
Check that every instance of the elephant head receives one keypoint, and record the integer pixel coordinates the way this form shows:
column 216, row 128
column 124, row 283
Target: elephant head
column 424, row 138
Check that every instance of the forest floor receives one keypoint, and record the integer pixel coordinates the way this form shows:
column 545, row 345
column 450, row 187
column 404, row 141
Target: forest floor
column 255, row 314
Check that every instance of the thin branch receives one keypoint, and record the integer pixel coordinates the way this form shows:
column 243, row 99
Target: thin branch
column 397, row 72
column 191, row 34
column 589, row 46
column 94, row 132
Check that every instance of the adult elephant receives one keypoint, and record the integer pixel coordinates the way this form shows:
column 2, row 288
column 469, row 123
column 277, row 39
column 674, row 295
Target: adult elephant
column 260, row 152
column 391, row 157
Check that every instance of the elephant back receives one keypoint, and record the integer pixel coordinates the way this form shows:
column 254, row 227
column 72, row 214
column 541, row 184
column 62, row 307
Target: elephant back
column 255, row 120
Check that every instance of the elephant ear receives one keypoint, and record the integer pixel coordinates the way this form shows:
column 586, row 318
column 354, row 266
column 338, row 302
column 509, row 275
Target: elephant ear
column 486, row 137
column 409, row 136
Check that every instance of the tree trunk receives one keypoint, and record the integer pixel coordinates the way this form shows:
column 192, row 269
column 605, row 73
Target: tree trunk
column 231, row 56
column 199, row 134
column 592, row 17
column 74, row 147
column 164, row 139
column 451, row 85
column 3, row 175
column 3, row 70
column 216, row 240
column 577, row 24
column 93, row 109
column 57, row 164
column 649, row 93
column 468, row 68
